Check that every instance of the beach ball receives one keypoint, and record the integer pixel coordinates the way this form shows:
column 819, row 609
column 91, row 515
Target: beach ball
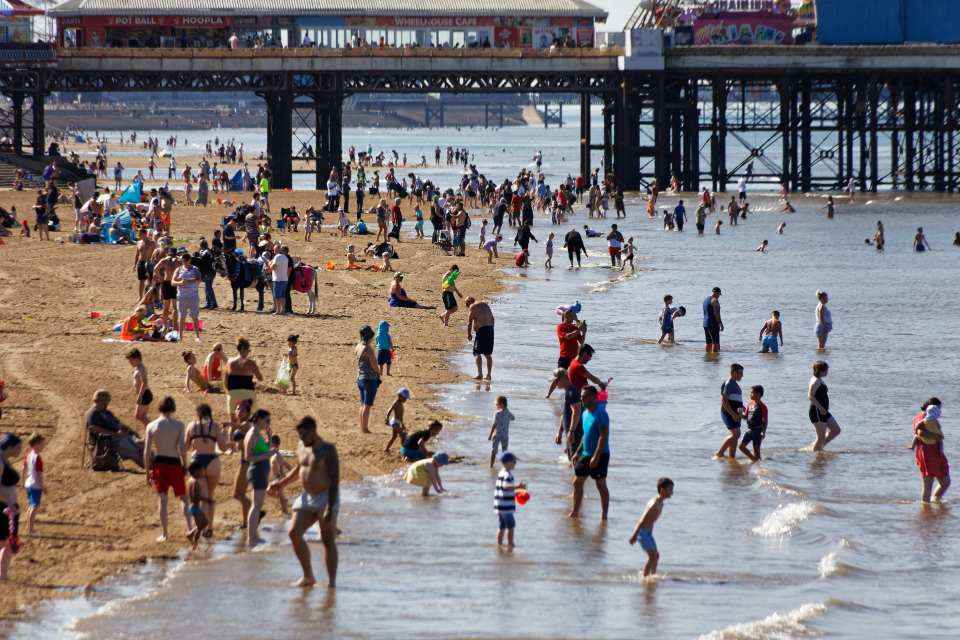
column 523, row 496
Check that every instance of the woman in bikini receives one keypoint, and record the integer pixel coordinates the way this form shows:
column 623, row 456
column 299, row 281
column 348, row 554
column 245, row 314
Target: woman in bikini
column 205, row 439
column 141, row 388
column 240, row 371
column 241, row 421
column 256, row 449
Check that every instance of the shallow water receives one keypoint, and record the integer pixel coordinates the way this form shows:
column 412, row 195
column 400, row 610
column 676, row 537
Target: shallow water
column 798, row 545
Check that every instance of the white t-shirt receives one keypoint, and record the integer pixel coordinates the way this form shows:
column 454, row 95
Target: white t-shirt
column 742, row 184
column 34, row 470
column 280, row 264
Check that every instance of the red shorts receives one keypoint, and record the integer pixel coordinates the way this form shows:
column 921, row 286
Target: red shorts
column 613, row 251
column 169, row 476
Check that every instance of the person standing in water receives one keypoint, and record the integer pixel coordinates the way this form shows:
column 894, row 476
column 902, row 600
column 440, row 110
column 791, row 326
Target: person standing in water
column 712, row 323
column 928, row 447
column 731, row 410
column 823, row 422
column 480, row 323
column 824, row 320
column 594, row 453
column 878, row 236
column 318, row 469
column 644, row 529
column 769, row 332
column 920, row 241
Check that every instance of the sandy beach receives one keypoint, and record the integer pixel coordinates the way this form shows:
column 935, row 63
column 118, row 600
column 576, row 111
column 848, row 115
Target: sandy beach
column 54, row 357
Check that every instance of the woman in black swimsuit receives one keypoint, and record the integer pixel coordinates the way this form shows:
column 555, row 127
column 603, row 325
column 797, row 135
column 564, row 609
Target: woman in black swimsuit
column 823, row 423
column 10, row 446
column 204, row 439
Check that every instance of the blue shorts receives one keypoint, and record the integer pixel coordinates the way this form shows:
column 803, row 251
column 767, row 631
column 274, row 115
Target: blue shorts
column 753, row 435
column 647, row 543
column 384, row 356
column 412, row 454
column 507, row 520
column 770, row 344
column 729, row 422
column 368, row 390
column 280, row 289
column 823, row 328
column 195, row 508
column 34, row 496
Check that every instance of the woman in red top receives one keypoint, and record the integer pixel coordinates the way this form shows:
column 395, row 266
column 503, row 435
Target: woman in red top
column 928, row 448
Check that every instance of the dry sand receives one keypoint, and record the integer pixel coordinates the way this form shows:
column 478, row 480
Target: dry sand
column 53, row 358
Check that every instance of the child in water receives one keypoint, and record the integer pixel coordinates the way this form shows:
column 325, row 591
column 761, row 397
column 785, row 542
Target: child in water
column 781, row 227
column 293, row 361
column 426, row 473
column 548, row 263
column 756, row 417
column 644, row 529
column 716, row 229
column 490, row 246
column 418, row 227
column 198, row 493
column 500, row 430
column 667, row 316
column 763, row 247
column 504, row 498
column 398, row 430
column 628, row 252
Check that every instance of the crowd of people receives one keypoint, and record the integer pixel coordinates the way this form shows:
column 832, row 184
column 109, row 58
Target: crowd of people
column 183, row 457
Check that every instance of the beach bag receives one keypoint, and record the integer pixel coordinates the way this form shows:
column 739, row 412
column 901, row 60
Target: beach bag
column 283, row 374
column 303, row 278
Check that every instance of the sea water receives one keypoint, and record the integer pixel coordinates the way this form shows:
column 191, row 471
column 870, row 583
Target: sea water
column 798, row 545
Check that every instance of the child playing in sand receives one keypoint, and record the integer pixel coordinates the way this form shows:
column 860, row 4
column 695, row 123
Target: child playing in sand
column 548, row 263
column 490, row 246
column 644, row 529
column 353, row 262
column 667, row 316
column 628, row 253
column 293, row 359
column 504, row 498
column 278, row 471
column 384, row 347
column 142, row 390
column 24, row 229
column 394, row 419
column 483, row 234
column 756, row 417
column 33, row 472
column 198, row 494
column 500, row 430
column 343, row 223
column 426, row 473
column 193, row 376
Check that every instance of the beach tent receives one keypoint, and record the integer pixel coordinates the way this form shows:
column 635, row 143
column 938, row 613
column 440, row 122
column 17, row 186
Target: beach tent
column 236, row 182
column 108, row 235
column 133, row 194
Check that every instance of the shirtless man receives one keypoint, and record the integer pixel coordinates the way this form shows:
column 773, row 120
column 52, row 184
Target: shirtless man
column 769, row 332
column 318, row 469
column 164, row 458
column 481, row 321
column 142, row 260
column 163, row 274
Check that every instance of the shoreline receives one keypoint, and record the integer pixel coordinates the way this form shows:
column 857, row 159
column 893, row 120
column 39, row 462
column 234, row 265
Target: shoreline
column 50, row 383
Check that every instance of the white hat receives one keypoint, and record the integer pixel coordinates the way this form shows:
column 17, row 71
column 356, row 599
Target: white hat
column 404, row 392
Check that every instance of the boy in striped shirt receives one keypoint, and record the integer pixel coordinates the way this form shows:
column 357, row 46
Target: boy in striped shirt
column 504, row 498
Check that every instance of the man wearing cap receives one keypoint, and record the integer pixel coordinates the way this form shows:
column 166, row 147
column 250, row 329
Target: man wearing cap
column 480, row 321
column 712, row 324
column 100, row 421
column 594, row 453
column 280, row 268
column 318, row 469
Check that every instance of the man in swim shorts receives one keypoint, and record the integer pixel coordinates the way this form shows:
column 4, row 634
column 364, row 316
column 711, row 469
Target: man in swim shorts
column 318, row 469
column 141, row 261
column 163, row 274
column 165, row 459
column 712, row 323
column 480, row 321
column 769, row 332
column 594, row 452
column 731, row 410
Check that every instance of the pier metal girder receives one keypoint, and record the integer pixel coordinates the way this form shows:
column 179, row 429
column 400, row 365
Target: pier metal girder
column 489, row 82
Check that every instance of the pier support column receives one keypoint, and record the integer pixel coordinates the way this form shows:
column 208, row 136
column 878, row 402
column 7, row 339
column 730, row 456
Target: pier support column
column 585, row 135
column 329, row 111
column 909, row 130
column 873, row 96
column 626, row 158
column 806, row 148
column 39, row 134
column 280, row 138
column 718, row 158
column 785, row 89
column 608, row 123
column 690, row 177
column 17, row 99
column 950, row 97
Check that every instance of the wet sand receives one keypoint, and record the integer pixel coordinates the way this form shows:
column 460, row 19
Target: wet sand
column 53, row 358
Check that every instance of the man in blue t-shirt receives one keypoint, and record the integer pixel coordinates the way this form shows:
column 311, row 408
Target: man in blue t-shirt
column 594, row 454
column 679, row 216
